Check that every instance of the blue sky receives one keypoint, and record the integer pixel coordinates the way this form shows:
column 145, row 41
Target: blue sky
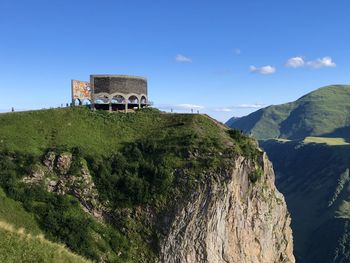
column 225, row 58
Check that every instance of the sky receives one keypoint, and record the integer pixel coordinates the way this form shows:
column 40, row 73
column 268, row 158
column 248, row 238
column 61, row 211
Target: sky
column 224, row 58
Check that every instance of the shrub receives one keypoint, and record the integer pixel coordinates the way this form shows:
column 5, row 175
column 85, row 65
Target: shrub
column 256, row 175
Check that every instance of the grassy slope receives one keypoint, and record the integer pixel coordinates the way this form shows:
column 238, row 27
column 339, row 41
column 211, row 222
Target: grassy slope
column 17, row 246
column 14, row 213
column 326, row 140
column 314, row 179
column 96, row 132
column 323, row 112
column 21, row 239
column 153, row 144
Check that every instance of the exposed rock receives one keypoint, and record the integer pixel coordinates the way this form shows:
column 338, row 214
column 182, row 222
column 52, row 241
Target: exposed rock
column 49, row 160
column 81, row 185
column 36, row 176
column 231, row 219
column 64, row 162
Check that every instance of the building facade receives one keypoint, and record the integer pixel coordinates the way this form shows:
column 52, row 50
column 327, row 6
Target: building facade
column 112, row 92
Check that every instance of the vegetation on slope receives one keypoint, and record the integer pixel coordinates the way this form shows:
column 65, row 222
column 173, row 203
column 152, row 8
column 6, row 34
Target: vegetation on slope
column 314, row 178
column 142, row 165
column 326, row 140
column 324, row 112
column 21, row 239
column 18, row 246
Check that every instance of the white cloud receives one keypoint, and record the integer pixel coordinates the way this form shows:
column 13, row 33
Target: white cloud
column 189, row 106
column 263, row 70
column 182, row 58
column 224, row 109
column 295, row 62
column 325, row 62
column 241, row 106
column 250, row 106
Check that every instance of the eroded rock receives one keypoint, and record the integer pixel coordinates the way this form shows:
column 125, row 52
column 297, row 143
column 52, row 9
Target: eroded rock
column 232, row 220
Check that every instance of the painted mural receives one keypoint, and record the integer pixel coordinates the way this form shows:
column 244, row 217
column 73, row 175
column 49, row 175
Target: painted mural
column 81, row 90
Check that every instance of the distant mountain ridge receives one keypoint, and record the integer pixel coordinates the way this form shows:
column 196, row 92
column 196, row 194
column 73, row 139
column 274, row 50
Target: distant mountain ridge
column 231, row 121
column 323, row 112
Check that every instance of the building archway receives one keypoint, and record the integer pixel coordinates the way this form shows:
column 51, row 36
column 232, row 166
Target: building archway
column 86, row 102
column 77, row 102
column 133, row 102
column 118, row 102
column 101, row 103
column 143, row 100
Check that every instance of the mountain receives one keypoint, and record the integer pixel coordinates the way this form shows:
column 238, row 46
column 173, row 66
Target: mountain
column 231, row 121
column 308, row 144
column 138, row 187
column 314, row 178
column 324, row 112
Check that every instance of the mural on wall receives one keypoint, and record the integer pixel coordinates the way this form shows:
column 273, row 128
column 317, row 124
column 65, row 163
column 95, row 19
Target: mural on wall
column 81, row 90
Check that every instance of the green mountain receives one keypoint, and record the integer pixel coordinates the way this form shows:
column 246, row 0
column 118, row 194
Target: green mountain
column 324, row 112
column 314, row 178
column 138, row 187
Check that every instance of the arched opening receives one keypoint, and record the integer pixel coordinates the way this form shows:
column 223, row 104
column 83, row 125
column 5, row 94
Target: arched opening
column 77, row 102
column 118, row 103
column 86, row 102
column 101, row 103
column 143, row 101
column 133, row 102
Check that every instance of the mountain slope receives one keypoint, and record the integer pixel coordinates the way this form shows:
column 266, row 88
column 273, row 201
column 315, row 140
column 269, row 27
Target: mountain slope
column 314, row 177
column 143, row 187
column 323, row 112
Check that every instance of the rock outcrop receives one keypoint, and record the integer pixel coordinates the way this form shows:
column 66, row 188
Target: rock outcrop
column 232, row 219
column 54, row 173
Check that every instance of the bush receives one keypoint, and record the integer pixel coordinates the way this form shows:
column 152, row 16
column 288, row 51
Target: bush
column 256, row 175
column 245, row 144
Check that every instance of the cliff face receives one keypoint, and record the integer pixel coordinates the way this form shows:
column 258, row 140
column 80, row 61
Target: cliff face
column 232, row 219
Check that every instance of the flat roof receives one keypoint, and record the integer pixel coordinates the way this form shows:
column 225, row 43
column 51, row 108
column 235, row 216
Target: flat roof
column 117, row 76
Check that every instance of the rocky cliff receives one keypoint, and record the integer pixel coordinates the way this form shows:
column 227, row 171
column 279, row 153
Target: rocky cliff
column 232, row 219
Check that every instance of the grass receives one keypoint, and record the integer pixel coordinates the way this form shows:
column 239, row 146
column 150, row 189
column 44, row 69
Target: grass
column 325, row 140
column 95, row 132
column 12, row 211
column 18, row 246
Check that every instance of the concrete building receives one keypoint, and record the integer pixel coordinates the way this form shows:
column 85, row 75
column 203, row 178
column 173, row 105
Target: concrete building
column 112, row 92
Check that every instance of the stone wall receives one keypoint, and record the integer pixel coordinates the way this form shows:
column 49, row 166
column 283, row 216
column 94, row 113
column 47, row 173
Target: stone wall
column 118, row 84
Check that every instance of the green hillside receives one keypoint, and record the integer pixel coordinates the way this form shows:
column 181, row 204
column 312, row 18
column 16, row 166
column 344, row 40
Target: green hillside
column 105, row 184
column 314, row 177
column 324, row 113
column 21, row 239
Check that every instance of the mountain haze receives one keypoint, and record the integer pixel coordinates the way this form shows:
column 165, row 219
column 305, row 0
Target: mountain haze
column 324, row 112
